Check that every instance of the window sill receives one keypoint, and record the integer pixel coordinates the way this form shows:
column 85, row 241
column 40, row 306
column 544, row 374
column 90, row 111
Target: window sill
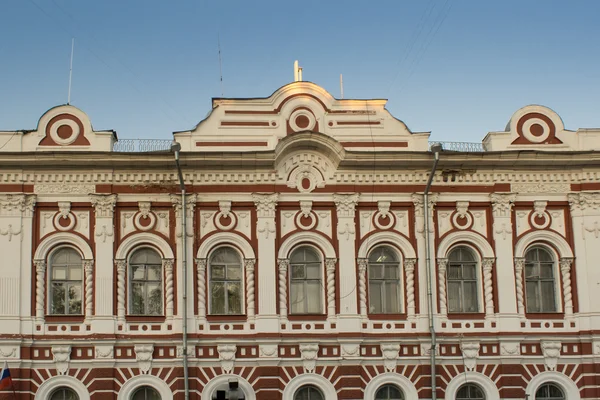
column 387, row 317
column 466, row 316
column 307, row 317
column 145, row 318
column 226, row 318
column 75, row 319
column 553, row 315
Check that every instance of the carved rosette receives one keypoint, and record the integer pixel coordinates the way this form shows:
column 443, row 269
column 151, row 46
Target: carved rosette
column 40, row 286
column 565, row 269
column 487, row 265
column 519, row 265
column 104, row 204
column 143, row 356
column 551, row 351
column 283, row 264
column 201, row 263
column 88, row 268
column 309, row 353
column 168, row 267
column 330, row 268
column 362, row 285
column 390, row 355
column 61, row 356
column 442, row 264
column 121, row 268
column 470, row 353
column 409, row 268
column 502, row 204
column 249, row 265
column 227, row 356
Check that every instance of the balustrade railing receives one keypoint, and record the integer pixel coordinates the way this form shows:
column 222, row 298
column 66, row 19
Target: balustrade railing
column 141, row 145
column 460, row 146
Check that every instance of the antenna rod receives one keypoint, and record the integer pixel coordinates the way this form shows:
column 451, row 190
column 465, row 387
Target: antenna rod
column 341, row 86
column 220, row 63
column 71, row 70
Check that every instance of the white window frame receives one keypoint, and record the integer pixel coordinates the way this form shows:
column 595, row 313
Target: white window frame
column 558, row 295
column 49, row 281
column 322, row 277
column 130, row 281
column 478, row 275
column 401, row 280
column 242, row 281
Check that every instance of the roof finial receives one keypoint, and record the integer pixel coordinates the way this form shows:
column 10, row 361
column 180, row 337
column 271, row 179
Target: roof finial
column 297, row 72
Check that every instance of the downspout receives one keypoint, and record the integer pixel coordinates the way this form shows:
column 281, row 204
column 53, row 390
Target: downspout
column 176, row 147
column 436, row 148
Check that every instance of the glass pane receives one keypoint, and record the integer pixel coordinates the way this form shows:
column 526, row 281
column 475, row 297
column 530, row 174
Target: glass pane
column 137, row 298
column 225, row 255
column 375, row 271
column 469, row 271
column 391, row 272
column 58, row 299
column 234, row 298
column 234, row 272
column 313, row 271
column 532, row 271
column 217, row 271
column 554, row 391
column 60, row 257
column 75, row 273
column 548, row 300
column 454, row 301
column 138, row 272
column 310, row 255
column 470, row 297
column 154, row 299
column 154, row 273
column 375, row 296
column 59, row 273
column 75, row 299
column 546, row 271
column 453, row 272
column 298, row 272
column 531, row 255
column 533, row 304
column 217, row 298
column 392, row 300
column 297, row 297
column 466, row 254
column 313, row 297
column 544, row 255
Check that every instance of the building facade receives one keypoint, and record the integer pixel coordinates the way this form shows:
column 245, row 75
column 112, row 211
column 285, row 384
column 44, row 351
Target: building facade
column 313, row 257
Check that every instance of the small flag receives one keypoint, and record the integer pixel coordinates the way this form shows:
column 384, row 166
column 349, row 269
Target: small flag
column 5, row 379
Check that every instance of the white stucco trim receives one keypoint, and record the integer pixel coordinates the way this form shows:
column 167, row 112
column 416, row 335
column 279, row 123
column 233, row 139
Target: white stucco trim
column 475, row 239
column 223, row 238
column 246, row 387
column 46, row 388
column 566, row 384
column 140, row 239
column 136, row 382
column 530, row 238
column 486, row 384
column 386, row 237
column 309, row 379
column 306, row 237
column 63, row 238
column 410, row 391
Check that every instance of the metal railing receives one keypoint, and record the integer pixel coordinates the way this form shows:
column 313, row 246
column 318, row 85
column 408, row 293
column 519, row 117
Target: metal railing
column 467, row 147
column 141, row 145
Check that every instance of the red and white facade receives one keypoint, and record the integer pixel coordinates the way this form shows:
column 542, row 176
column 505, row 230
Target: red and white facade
column 339, row 179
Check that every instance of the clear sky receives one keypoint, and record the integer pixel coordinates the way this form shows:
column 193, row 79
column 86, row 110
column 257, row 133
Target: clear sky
column 458, row 68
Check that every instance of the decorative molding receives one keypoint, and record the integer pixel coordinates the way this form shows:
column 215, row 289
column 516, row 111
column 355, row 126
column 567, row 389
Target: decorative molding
column 17, row 205
column 305, row 207
column 565, row 269
column 390, row 352
column 249, row 264
column 265, row 204
column 88, row 269
column 121, row 268
column 227, row 356
column 362, row 285
column 442, row 264
column 167, row 264
column 61, row 356
column 190, row 202
column 309, row 353
column 104, row 204
column 143, row 356
column 350, row 350
column 346, row 230
column 10, row 232
column 268, row 350
column 104, row 351
column 201, row 264
column 8, row 352
column 470, row 353
column 283, row 266
column 346, row 204
column 540, row 187
column 487, row 265
column 330, row 268
column 580, row 202
column 502, row 204
column 103, row 233
column 40, row 287
column 267, row 228
column 551, row 351
column 409, row 268
column 510, row 349
column 63, row 188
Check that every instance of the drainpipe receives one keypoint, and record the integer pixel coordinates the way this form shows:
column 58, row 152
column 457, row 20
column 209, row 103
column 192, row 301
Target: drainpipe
column 436, row 149
column 176, row 148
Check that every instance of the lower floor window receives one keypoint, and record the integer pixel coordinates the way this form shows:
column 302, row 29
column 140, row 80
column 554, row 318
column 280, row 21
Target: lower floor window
column 470, row 392
column 64, row 393
column 145, row 393
column 549, row 391
column 309, row 393
column 389, row 392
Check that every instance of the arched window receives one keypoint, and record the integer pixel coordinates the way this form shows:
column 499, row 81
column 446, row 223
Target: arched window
column 462, row 281
column 540, row 282
column 145, row 393
column 225, row 282
column 308, row 392
column 470, row 391
column 66, row 282
column 384, row 281
column 63, row 393
column 389, row 392
column 305, row 281
column 549, row 391
column 145, row 283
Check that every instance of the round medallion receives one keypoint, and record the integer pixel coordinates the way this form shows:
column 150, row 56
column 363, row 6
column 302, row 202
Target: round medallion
column 539, row 221
column 64, row 129
column 64, row 223
column 462, row 222
column 306, row 222
column 144, row 222
column 302, row 120
column 224, row 221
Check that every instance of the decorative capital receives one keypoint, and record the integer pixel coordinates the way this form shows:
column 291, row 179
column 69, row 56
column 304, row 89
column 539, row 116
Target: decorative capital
column 190, row 202
column 419, row 202
column 88, row 265
column 362, row 264
column 283, row 264
column 330, row 263
column 17, row 204
column 583, row 201
column 265, row 204
column 442, row 263
column 201, row 263
column 502, row 203
column 40, row 265
column 249, row 263
column 346, row 204
column 168, row 264
column 121, row 265
column 104, row 204
column 565, row 264
column 409, row 264
column 519, row 264
column 487, row 263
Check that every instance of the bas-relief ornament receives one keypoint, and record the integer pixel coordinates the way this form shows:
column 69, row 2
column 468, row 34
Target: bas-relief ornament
column 8, row 352
column 61, row 355
column 583, row 201
column 540, row 187
column 309, row 353
column 104, row 204
column 470, row 353
column 510, row 349
column 502, row 204
column 268, row 350
column 551, row 351
column 190, row 202
column 350, row 350
column 227, row 356
column 10, row 232
column 346, row 204
column 104, row 352
column 190, row 351
column 16, row 205
column 390, row 355
column 62, row 188
column 265, row 204
column 143, row 356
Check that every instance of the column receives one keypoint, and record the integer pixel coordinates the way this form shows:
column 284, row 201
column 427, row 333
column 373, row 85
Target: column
column 104, row 205
column 565, row 270
column 362, row 286
column 266, row 319
column 121, row 269
column 502, row 204
column 250, row 302
column 169, row 305
column 409, row 269
column 488, row 289
column 88, row 269
column 442, row 264
column 346, row 236
column 519, row 266
column 201, row 270
column 40, row 289
column 330, row 268
column 283, row 266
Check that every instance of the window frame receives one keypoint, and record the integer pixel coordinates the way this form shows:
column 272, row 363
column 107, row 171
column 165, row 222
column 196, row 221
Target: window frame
column 144, row 387
column 322, row 282
column 309, row 387
column 130, row 281
column 557, row 278
column 62, row 387
column 549, row 383
column 470, row 384
column 50, row 280
column 400, row 279
column 387, row 385
column 478, row 281
column 209, row 280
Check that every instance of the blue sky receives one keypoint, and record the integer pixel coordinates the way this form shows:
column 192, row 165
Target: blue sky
column 458, row 68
